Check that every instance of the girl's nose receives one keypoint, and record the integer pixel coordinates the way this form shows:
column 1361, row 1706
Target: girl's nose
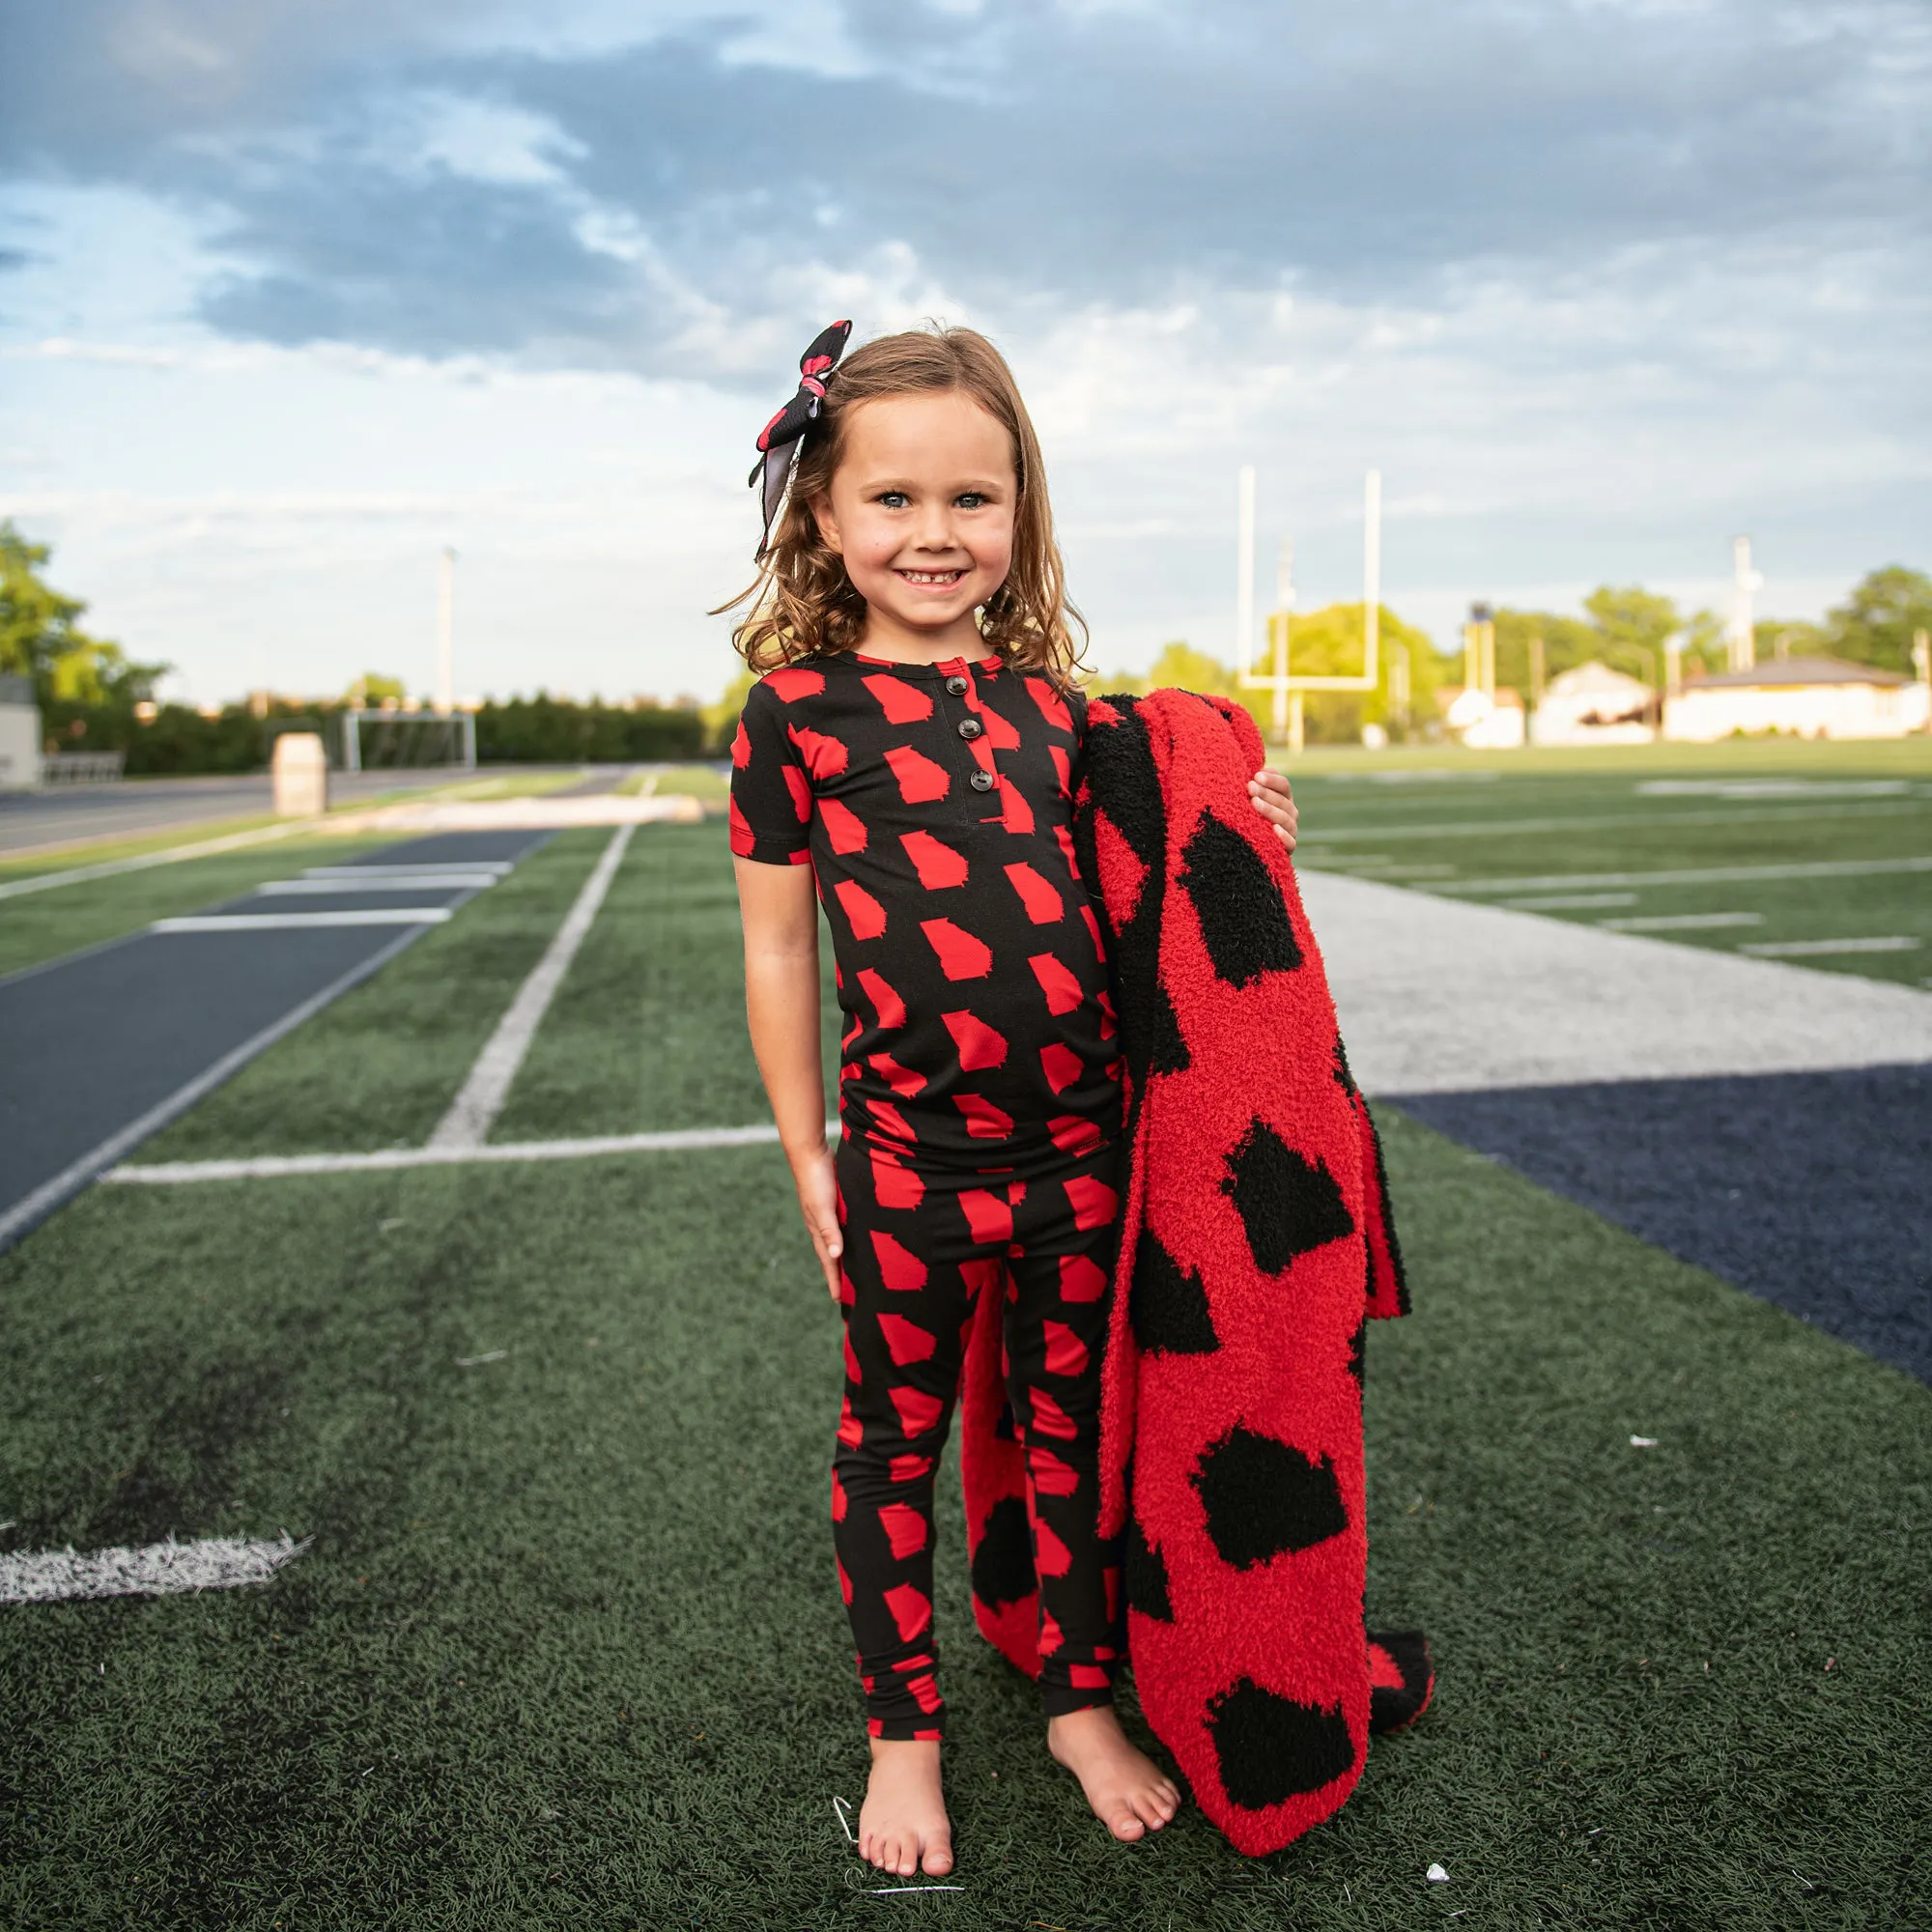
column 935, row 527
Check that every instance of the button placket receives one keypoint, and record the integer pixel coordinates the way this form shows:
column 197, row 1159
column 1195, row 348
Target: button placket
column 984, row 777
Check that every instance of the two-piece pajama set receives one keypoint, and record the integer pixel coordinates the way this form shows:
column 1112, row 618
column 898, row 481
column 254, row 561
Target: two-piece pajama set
column 980, row 1103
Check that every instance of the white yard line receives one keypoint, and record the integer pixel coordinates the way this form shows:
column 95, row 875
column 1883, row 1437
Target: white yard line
column 1701, row 875
column 1822, row 949
column 339, row 883
column 43, row 882
column 386, row 1160
column 156, row 1570
column 278, row 921
column 1469, row 828
column 494, row 869
column 474, row 1110
column 1682, row 922
column 76, row 1175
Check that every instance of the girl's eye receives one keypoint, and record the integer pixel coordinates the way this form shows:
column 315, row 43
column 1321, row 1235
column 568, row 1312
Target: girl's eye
column 970, row 499
column 893, row 500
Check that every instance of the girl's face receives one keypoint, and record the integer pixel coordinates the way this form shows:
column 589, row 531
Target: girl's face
column 921, row 510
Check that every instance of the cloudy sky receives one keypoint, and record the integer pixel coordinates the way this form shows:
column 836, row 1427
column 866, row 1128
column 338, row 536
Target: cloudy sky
column 293, row 294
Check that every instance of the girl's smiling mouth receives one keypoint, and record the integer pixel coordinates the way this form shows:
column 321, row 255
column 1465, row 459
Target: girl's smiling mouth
column 934, row 580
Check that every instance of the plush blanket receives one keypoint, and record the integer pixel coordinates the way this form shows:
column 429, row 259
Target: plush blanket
column 1256, row 1242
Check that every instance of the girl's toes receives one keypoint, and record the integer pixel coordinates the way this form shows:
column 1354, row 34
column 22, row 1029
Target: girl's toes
column 1127, row 1825
column 938, row 1861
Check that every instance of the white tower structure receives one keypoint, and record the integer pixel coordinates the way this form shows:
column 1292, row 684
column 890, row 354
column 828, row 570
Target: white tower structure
column 1745, row 580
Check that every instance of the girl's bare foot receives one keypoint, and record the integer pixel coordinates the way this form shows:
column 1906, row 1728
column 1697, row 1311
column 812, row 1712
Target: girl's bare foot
column 902, row 1824
column 1128, row 1791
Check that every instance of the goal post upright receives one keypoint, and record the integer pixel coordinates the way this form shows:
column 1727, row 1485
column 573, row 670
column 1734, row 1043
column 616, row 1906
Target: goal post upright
column 1281, row 679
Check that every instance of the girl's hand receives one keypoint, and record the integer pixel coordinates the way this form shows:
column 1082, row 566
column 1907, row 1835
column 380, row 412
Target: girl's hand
column 1271, row 797
column 818, row 1202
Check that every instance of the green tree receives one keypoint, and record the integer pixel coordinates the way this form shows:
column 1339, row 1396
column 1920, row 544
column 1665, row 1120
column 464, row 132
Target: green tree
column 1875, row 623
column 1798, row 639
column 374, row 688
column 41, row 638
column 1325, row 643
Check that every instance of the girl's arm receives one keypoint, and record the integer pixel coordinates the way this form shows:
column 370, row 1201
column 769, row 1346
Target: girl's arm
column 781, row 917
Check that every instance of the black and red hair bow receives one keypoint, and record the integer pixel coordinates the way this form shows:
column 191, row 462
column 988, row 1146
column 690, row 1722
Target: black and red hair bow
column 779, row 440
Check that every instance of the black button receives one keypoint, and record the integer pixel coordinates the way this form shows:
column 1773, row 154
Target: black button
column 970, row 727
column 982, row 782
column 956, row 686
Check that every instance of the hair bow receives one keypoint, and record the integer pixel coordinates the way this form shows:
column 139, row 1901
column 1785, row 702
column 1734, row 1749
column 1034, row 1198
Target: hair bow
column 780, row 438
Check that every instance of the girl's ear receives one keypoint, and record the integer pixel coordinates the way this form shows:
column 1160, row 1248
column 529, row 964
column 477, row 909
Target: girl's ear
column 828, row 523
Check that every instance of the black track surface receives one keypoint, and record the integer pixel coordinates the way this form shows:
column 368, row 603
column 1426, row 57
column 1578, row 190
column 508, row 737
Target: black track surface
column 92, row 1043
column 1812, row 1190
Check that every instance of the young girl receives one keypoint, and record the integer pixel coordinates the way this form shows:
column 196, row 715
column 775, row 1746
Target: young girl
column 911, row 754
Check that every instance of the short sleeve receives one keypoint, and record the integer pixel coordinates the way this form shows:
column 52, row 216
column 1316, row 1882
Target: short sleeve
column 770, row 794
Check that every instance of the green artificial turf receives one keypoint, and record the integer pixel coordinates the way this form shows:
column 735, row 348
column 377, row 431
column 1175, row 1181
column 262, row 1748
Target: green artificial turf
column 567, row 1651
column 379, row 1067
column 648, row 1031
column 42, row 925
column 1472, row 835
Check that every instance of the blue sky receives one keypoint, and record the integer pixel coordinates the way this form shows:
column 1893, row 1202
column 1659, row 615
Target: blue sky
column 292, row 294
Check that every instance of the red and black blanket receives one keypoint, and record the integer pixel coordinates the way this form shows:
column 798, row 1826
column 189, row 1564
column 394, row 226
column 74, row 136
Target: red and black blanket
column 1256, row 1242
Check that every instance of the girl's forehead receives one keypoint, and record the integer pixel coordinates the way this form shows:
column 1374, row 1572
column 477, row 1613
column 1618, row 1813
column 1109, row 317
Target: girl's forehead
column 926, row 431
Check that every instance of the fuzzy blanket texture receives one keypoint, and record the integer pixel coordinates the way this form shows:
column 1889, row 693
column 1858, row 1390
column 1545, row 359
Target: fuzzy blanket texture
column 1256, row 1242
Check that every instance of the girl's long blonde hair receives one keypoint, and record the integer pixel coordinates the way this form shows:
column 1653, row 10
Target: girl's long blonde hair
column 802, row 602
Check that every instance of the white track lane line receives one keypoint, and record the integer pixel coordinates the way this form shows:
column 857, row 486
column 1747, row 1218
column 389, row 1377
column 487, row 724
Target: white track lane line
column 419, row 882
column 281, row 921
column 386, row 1160
column 76, row 1175
column 158, row 1570
column 495, row 868
column 474, row 1110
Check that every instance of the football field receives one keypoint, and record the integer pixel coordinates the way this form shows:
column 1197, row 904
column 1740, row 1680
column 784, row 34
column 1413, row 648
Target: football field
column 526, row 1446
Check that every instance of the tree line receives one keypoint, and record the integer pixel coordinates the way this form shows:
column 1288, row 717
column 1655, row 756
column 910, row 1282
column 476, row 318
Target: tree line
column 93, row 697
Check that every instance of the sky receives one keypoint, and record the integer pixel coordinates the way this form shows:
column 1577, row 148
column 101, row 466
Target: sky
column 293, row 295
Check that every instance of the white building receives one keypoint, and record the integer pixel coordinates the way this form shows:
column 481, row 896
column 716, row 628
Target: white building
column 20, row 735
column 1593, row 705
column 1812, row 697
column 1483, row 722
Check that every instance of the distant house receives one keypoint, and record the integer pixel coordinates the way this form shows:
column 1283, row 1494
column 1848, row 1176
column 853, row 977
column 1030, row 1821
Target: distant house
column 1593, row 705
column 1812, row 697
column 1483, row 722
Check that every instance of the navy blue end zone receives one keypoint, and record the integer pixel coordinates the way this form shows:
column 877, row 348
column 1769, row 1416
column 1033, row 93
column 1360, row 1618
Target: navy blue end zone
column 1811, row 1190
column 106, row 1047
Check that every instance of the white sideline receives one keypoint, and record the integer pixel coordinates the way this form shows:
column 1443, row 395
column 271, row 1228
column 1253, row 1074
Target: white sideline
column 281, row 1166
column 282, row 922
column 158, row 1570
column 1440, row 996
column 43, row 882
column 475, row 1108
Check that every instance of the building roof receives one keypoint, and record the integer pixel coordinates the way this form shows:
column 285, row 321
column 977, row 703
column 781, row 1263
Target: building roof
column 1595, row 678
column 1787, row 672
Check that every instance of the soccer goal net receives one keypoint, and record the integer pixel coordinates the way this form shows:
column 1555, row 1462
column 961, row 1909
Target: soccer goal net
column 379, row 741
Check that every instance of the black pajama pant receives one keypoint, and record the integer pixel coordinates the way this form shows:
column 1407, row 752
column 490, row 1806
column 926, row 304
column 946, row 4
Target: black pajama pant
column 921, row 1248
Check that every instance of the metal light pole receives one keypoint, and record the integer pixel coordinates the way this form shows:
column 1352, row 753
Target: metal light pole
column 445, row 632
column 1744, row 581
column 1245, row 568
